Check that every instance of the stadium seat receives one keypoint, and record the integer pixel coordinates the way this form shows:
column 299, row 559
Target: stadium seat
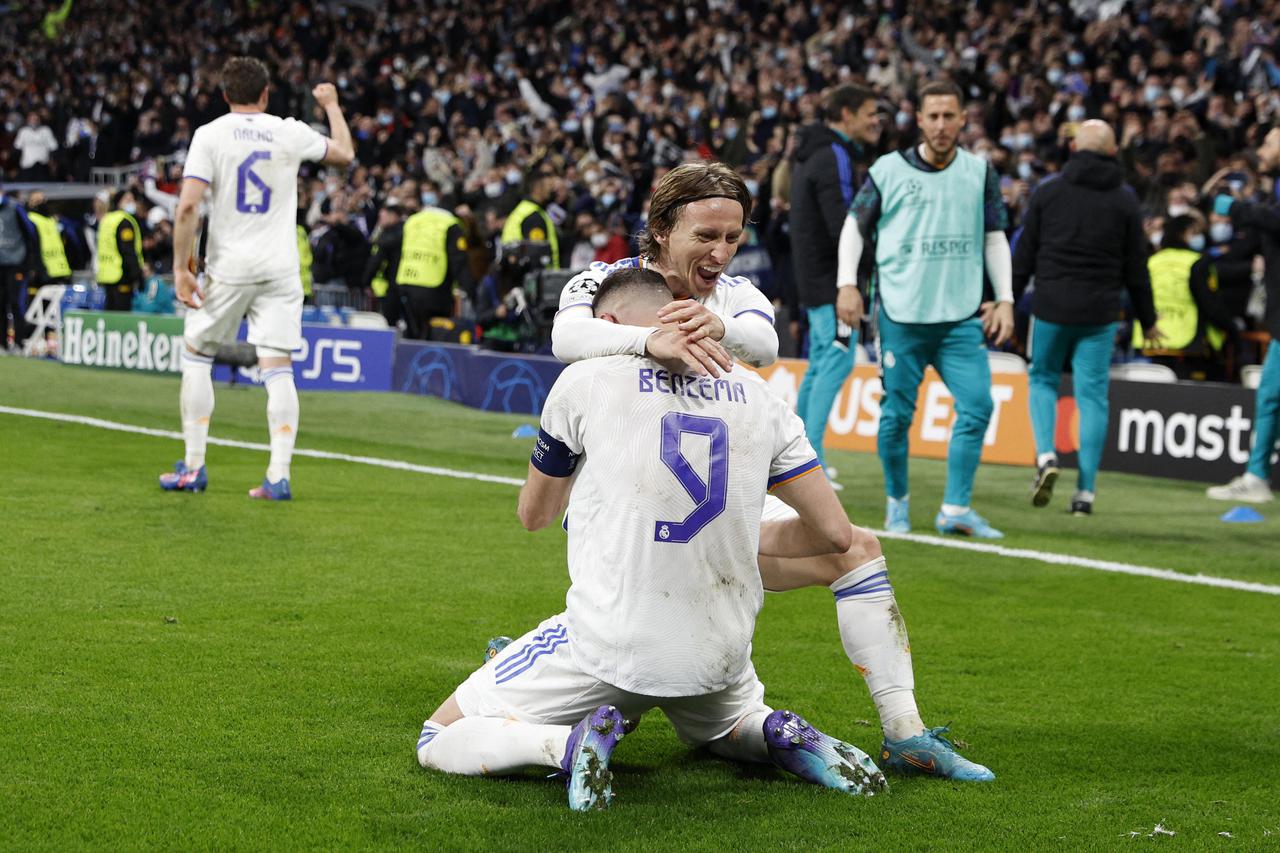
column 1006, row 362
column 1139, row 372
column 366, row 320
column 1251, row 375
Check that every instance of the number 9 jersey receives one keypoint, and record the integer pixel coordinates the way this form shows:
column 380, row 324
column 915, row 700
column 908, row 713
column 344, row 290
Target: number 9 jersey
column 250, row 162
column 664, row 518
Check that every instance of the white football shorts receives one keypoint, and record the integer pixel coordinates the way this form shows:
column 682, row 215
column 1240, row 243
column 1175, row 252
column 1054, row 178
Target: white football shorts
column 274, row 309
column 535, row 680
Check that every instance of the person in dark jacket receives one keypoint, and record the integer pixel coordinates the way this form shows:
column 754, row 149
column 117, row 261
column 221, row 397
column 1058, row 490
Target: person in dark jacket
column 829, row 166
column 1253, row 485
column 1082, row 239
column 1233, row 253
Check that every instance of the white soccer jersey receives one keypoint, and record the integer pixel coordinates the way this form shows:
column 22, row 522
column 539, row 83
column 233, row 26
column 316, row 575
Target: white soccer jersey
column 733, row 297
column 250, row 162
column 664, row 519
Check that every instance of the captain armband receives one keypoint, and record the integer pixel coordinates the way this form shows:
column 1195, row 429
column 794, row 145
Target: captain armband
column 552, row 456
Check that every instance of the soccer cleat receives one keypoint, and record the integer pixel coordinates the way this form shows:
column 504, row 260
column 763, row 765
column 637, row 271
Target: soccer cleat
column 1042, row 489
column 586, row 759
column 269, row 491
column 930, row 754
column 897, row 515
column 1081, row 507
column 1247, row 488
column 182, row 480
column 966, row 524
column 799, row 748
column 495, row 647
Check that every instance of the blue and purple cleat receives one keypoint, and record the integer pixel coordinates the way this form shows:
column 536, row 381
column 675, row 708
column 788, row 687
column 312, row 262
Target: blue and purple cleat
column 182, row 480
column 269, row 491
column 586, row 759
column 799, row 748
column 930, row 754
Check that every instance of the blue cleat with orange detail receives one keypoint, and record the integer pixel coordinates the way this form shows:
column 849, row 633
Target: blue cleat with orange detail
column 269, row 491
column 966, row 524
column 930, row 754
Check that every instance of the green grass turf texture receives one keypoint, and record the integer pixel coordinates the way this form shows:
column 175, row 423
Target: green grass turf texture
column 210, row 672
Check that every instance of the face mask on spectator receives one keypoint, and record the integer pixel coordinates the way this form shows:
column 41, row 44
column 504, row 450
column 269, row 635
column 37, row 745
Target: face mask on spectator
column 1025, row 141
column 384, row 119
column 513, row 176
column 342, row 82
column 730, row 131
column 493, row 189
column 592, row 177
column 769, row 113
column 868, row 53
column 571, row 125
column 1178, row 94
column 668, row 90
column 1075, row 59
column 608, row 199
column 1151, row 93
column 1177, row 209
column 1196, row 242
column 753, row 187
column 1076, row 112
column 1221, row 232
column 694, row 111
column 130, row 208
column 430, row 199
column 1054, row 76
column 599, row 239
column 1025, row 170
column 902, row 119
column 1006, row 141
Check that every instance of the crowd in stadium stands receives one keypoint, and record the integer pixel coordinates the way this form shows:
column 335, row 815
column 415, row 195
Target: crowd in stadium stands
column 453, row 104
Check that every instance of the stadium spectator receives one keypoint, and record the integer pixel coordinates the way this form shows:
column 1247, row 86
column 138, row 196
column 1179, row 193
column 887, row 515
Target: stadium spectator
column 829, row 165
column 424, row 260
column 1083, row 242
column 341, row 248
column 1233, row 254
column 36, row 142
column 1184, row 288
column 386, row 233
column 120, row 263
column 1254, row 484
column 529, row 221
column 937, row 218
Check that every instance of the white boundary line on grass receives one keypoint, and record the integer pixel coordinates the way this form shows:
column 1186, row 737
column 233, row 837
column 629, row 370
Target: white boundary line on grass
column 960, row 544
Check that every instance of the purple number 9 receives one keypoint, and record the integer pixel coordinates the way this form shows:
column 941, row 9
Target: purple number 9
column 708, row 495
column 245, row 176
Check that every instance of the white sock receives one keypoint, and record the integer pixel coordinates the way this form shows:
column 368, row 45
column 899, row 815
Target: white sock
column 746, row 742
column 875, row 639
column 1046, row 457
column 1082, row 495
column 953, row 509
column 282, row 419
column 483, row 746
column 195, row 402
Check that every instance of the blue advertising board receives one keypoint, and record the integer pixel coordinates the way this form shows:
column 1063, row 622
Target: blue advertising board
column 482, row 379
column 334, row 358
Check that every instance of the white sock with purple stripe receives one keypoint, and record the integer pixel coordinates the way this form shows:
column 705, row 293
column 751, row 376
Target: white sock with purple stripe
column 282, row 419
column 875, row 639
column 746, row 742
column 485, row 746
column 195, row 402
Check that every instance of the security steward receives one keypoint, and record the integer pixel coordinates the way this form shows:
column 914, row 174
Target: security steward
column 529, row 220
column 120, row 265
column 424, row 259
column 304, row 263
column 54, row 268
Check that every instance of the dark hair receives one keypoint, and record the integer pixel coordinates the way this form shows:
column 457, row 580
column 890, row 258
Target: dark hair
column 1176, row 228
column 629, row 283
column 687, row 183
column 243, row 79
column 848, row 97
column 940, row 88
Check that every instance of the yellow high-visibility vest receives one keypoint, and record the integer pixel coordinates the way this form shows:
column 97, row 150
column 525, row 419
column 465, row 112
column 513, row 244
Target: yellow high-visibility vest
column 304, row 260
column 110, row 260
column 1170, row 271
column 513, row 231
column 424, row 255
column 52, row 252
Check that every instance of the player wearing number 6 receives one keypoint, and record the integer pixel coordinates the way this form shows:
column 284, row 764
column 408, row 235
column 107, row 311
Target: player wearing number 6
column 663, row 524
column 248, row 162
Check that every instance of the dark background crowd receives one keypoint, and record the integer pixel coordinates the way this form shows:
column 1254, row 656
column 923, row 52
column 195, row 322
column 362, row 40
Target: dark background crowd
column 454, row 104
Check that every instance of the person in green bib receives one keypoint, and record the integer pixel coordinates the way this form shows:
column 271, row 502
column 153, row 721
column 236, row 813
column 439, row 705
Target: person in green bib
column 120, row 264
column 53, row 268
column 423, row 260
column 529, row 220
column 937, row 219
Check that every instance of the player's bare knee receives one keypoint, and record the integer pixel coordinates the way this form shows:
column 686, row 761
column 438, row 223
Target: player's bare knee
column 448, row 713
column 865, row 548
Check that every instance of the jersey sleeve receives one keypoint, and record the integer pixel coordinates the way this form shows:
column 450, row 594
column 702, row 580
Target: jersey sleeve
column 581, row 289
column 749, row 332
column 559, row 443
column 308, row 144
column 793, row 456
column 199, row 164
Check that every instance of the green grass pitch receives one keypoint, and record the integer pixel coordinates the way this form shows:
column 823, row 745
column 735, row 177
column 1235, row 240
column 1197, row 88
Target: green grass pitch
column 208, row 672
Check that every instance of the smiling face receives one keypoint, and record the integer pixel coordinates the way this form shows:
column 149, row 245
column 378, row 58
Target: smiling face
column 700, row 245
column 941, row 119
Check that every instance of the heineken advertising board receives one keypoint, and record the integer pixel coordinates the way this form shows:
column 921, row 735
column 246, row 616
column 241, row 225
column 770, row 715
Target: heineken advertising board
column 146, row 342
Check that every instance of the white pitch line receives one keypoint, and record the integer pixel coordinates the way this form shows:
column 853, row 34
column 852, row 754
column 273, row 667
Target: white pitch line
column 961, row 544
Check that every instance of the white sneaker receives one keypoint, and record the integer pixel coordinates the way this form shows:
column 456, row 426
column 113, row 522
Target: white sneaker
column 1247, row 488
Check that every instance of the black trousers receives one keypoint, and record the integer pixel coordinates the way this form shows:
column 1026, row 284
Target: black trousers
column 119, row 296
column 13, row 287
column 420, row 305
